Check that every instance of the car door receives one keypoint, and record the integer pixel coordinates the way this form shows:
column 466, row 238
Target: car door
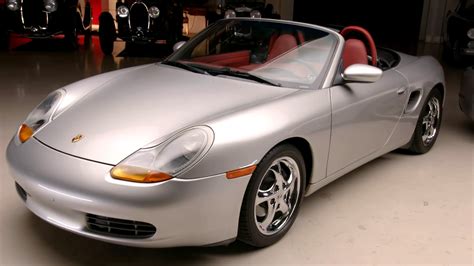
column 364, row 115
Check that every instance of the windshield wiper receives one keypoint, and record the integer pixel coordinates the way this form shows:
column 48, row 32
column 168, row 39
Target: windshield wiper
column 185, row 66
column 245, row 75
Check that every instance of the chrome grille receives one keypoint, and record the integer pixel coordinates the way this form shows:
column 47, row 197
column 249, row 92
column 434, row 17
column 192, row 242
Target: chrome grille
column 139, row 19
column 33, row 13
column 119, row 227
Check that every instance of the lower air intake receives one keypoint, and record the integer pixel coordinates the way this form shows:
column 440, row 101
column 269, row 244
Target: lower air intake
column 118, row 227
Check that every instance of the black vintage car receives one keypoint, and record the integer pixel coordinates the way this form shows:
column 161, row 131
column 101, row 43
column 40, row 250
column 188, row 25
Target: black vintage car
column 142, row 21
column 46, row 18
column 246, row 8
column 459, row 38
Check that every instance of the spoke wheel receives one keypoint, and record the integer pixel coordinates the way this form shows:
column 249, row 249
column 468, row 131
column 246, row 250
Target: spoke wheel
column 277, row 196
column 428, row 125
column 430, row 121
column 273, row 197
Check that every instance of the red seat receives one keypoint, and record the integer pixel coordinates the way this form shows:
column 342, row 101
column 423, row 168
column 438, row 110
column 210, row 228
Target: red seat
column 283, row 44
column 355, row 52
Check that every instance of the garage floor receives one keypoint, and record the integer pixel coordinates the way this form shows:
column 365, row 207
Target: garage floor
column 398, row 209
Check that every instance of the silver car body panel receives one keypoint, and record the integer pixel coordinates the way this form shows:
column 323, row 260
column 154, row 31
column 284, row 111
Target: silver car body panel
column 345, row 126
column 62, row 189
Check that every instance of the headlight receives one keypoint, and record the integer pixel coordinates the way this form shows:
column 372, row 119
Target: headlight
column 154, row 12
column 167, row 160
column 255, row 14
column 230, row 14
column 122, row 11
column 470, row 34
column 41, row 115
column 13, row 5
column 50, row 5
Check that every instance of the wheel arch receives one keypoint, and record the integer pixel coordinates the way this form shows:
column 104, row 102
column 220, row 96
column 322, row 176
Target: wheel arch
column 441, row 88
column 305, row 148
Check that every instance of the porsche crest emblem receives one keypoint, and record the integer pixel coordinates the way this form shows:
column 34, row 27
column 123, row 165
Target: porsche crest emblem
column 77, row 138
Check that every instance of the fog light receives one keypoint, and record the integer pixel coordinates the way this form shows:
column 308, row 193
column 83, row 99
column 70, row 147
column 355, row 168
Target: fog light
column 255, row 14
column 50, row 5
column 470, row 34
column 13, row 5
column 230, row 14
column 122, row 11
column 154, row 12
column 470, row 45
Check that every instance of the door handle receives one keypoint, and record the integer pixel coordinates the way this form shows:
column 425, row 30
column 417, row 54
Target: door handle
column 401, row 91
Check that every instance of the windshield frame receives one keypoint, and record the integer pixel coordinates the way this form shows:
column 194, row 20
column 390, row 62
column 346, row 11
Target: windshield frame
column 327, row 74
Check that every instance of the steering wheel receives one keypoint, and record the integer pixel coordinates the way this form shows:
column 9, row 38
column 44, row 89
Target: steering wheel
column 367, row 36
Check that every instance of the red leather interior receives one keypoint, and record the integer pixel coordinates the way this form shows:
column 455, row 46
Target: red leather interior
column 354, row 53
column 234, row 59
column 370, row 41
column 272, row 41
column 283, row 44
column 300, row 37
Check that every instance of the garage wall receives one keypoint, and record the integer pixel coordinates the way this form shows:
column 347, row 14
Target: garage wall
column 394, row 24
column 433, row 20
column 283, row 7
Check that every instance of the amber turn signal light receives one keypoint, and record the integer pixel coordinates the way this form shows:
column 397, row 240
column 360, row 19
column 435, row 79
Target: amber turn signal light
column 25, row 133
column 138, row 174
column 241, row 172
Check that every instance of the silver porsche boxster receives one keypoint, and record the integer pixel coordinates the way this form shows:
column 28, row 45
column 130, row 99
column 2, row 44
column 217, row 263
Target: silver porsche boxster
column 223, row 139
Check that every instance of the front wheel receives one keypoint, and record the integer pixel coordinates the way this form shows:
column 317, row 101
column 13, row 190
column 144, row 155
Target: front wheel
column 429, row 124
column 273, row 197
column 107, row 33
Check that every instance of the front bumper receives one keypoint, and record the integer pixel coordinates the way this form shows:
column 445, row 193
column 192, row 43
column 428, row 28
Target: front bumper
column 62, row 189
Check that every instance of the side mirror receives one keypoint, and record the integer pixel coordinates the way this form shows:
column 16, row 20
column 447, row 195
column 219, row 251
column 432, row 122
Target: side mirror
column 178, row 45
column 362, row 73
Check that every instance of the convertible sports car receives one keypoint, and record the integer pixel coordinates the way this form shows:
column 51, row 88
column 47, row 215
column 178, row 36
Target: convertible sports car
column 223, row 139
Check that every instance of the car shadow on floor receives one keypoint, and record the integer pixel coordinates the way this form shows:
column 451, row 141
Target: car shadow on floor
column 73, row 247
column 48, row 45
column 87, row 251
column 145, row 50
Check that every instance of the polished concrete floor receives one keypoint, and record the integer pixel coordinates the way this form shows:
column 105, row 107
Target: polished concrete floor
column 398, row 209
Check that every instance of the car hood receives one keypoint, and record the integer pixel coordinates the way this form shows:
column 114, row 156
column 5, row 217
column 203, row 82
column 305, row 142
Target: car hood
column 147, row 105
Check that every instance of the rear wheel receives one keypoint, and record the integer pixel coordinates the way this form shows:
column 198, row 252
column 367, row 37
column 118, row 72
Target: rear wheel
column 273, row 197
column 429, row 123
column 107, row 34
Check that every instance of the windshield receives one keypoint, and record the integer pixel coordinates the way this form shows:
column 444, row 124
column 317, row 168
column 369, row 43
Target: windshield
column 280, row 53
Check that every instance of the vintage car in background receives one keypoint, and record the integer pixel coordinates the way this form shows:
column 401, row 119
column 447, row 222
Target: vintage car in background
column 459, row 35
column 44, row 19
column 142, row 21
column 466, row 94
column 246, row 8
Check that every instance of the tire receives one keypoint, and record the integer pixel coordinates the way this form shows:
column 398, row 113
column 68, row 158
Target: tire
column 4, row 40
column 429, row 124
column 264, row 224
column 70, row 30
column 107, row 34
